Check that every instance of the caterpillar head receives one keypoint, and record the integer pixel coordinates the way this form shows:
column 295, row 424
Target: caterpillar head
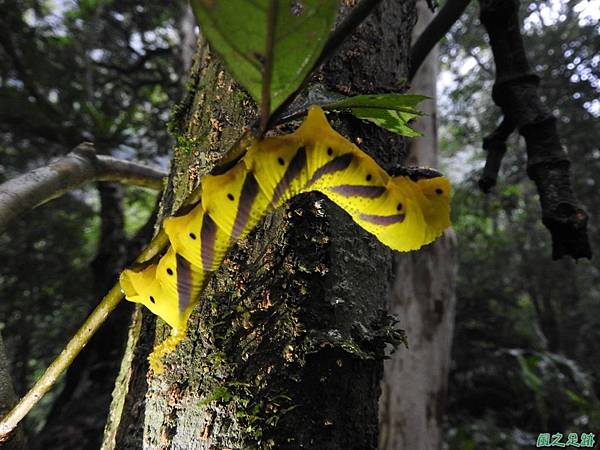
column 141, row 286
column 433, row 197
column 408, row 214
column 436, row 208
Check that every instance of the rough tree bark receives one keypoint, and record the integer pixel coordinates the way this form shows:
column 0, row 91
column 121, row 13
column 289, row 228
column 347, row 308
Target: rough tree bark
column 286, row 347
column 423, row 297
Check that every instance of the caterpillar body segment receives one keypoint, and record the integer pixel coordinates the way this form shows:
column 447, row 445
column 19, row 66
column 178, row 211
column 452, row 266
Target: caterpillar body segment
column 402, row 213
column 279, row 165
column 235, row 200
column 180, row 280
column 396, row 219
column 197, row 237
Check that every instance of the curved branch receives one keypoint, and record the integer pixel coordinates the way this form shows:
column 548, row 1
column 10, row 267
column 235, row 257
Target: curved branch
column 80, row 339
column 516, row 93
column 77, row 168
column 495, row 146
column 436, row 30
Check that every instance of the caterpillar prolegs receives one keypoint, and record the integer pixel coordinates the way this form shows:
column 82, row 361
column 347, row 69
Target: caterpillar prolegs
column 402, row 213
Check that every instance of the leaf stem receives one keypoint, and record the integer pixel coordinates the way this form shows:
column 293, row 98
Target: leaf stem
column 356, row 16
column 435, row 31
column 265, row 106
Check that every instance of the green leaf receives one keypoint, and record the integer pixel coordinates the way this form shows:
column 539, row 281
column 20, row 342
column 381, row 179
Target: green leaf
column 527, row 373
column 241, row 30
column 390, row 111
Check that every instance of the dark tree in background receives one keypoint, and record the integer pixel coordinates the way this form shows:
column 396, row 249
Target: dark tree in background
column 525, row 357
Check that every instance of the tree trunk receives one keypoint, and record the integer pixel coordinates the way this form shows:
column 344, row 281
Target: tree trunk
column 423, row 297
column 285, row 349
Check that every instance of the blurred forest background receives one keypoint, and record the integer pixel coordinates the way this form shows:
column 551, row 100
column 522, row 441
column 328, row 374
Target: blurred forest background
column 525, row 354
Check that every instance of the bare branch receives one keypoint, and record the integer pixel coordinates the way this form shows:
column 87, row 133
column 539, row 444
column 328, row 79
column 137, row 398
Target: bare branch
column 79, row 167
column 479, row 62
column 495, row 146
column 437, row 28
column 516, row 93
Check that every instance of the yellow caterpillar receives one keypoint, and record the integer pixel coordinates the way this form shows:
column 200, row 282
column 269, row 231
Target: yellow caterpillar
column 402, row 213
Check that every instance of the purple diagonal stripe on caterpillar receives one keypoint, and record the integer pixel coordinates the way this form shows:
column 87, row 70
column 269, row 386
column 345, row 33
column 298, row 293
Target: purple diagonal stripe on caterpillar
column 335, row 165
column 184, row 282
column 351, row 190
column 296, row 165
column 382, row 220
column 208, row 235
column 247, row 196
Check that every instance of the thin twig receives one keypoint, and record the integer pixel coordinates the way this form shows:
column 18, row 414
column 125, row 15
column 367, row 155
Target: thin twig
column 495, row 146
column 77, row 168
column 480, row 63
column 436, row 30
